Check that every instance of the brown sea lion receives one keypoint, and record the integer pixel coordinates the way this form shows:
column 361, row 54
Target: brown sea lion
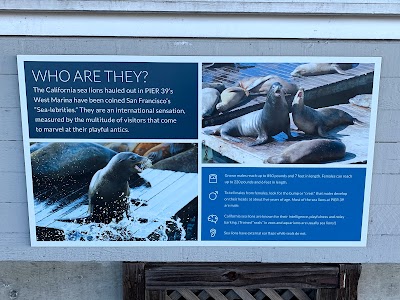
column 310, row 152
column 165, row 150
column 231, row 97
column 142, row 148
column 264, row 123
column 256, row 86
column 318, row 121
column 313, row 69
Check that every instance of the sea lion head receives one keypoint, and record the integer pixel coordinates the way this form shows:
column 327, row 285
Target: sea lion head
column 131, row 162
column 299, row 97
column 276, row 91
column 221, row 106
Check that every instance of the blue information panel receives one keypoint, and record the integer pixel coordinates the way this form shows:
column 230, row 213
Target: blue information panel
column 282, row 204
column 198, row 151
column 113, row 100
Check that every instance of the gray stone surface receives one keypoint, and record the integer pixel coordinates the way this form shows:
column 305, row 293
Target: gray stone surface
column 58, row 280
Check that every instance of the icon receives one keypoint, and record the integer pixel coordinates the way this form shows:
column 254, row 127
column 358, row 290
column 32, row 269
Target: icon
column 212, row 178
column 213, row 232
column 213, row 195
column 213, row 218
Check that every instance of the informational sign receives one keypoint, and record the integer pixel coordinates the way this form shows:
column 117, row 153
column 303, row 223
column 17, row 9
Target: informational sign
column 184, row 151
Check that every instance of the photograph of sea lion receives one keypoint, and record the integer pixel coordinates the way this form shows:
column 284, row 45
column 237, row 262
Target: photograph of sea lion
column 325, row 100
column 90, row 192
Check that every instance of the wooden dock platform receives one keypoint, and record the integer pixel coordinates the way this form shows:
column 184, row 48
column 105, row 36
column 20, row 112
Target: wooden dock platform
column 150, row 208
column 355, row 137
column 329, row 88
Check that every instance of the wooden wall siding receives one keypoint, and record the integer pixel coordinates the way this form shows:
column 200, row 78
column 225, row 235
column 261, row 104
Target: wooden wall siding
column 363, row 7
column 240, row 281
column 384, row 231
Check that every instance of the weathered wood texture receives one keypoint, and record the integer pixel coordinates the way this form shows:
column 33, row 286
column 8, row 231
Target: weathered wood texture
column 225, row 275
column 134, row 281
column 228, row 281
column 384, row 231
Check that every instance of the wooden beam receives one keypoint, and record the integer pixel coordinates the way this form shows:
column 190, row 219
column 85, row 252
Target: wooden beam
column 326, row 294
column 244, row 275
column 349, row 276
column 134, row 281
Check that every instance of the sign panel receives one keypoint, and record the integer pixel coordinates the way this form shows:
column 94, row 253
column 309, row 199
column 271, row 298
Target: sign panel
column 183, row 151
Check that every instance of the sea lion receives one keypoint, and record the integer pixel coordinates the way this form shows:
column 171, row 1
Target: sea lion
column 210, row 97
column 256, row 86
column 230, row 97
column 214, row 85
column 186, row 161
column 313, row 69
column 60, row 160
column 310, row 152
column 109, row 189
column 142, row 148
column 263, row 84
column 165, row 150
column 318, row 121
column 264, row 123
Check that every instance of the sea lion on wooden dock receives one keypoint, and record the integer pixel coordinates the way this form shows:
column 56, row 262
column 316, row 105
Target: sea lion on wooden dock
column 230, row 97
column 313, row 69
column 272, row 119
column 210, row 98
column 257, row 86
column 214, row 85
column 318, row 121
column 310, row 152
column 109, row 188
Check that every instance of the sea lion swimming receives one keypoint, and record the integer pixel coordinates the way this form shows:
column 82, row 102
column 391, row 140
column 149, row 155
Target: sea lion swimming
column 318, row 121
column 310, row 152
column 272, row 119
column 313, row 69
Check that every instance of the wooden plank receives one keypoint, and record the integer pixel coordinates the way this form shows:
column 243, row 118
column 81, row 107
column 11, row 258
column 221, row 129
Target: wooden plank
column 270, row 293
column 243, row 293
column 300, row 294
column 326, row 294
column 355, row 7
column 216, row 294
column 133, row 281
column 349, row 276
column 156, row 295
column 224, row 275
column 187, row 294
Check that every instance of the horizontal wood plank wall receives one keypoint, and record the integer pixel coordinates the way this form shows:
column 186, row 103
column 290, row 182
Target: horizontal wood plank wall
column 384, row 228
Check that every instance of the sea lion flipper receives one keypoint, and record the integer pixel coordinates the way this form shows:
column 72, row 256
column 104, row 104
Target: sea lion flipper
column 338, row 69
column 322, row 132
column 230, row 138
column 260, row 141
